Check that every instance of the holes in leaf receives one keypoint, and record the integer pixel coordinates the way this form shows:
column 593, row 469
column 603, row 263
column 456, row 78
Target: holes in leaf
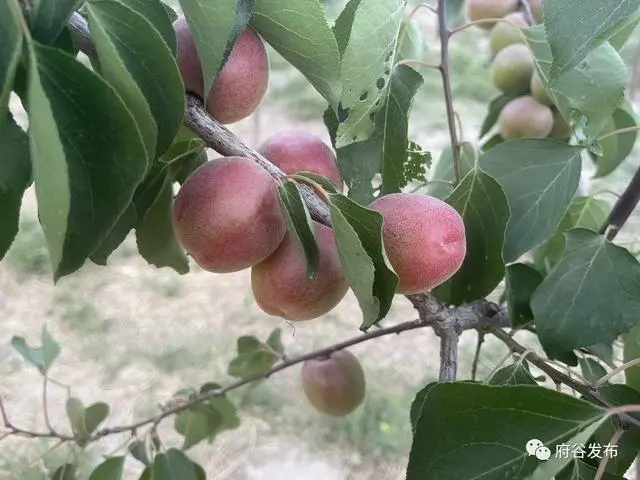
column 364, row 96
column 380, row 83
column 343, row 113
column 389, row 53
column 387, row 71
column 372, row 116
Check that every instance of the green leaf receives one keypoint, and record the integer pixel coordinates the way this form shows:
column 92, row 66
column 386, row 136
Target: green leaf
column 416, row 405
column 576, row 27
column 76, row 414
column 299, row 224
column 594, row 280
column 172, row 465
column 579, row 470
column 485, row 212
column 492, row 142
column 223, row 405
column 48, row 19
column 133, row 56
column 41, row 357
column 50, row 349
column 300, row 32
column 87, row 161
column 591, row 370
column 366, row 67
column 618, row 147
column 444, row 170
column 155, row 236
column 95, row 414
column 275, row 340
column 631, row 352
column 139, row 451
column 254, row 357
column 593, row 89
column 469, row 430
column 539, row 178
column 215, row 26
column 584, row 212
column 628, row 26
column 117, row 235
column 604, row 351
column 322, row 181
column 67, row 471
column 495, row 107
column 110, row 469
column 344, row 22
column 11, row 41
column 521, row 280
column 515, row 374
column 454, row 12
column 411, row 45
column 158, row 14
column 15, row 177
column 386, row 151
column 358, row 233
column 197, row 424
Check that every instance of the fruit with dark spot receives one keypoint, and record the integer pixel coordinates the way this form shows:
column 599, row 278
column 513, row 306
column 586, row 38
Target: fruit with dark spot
column 240, row 85
column 334, row 385
column 424, row 238
column 227, row 215
column 281, row 287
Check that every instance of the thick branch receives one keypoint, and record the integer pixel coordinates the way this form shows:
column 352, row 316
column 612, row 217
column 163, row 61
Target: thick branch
column 624, row 206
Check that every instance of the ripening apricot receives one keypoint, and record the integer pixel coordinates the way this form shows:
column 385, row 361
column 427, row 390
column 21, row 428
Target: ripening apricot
column 334, row 385
column 538, row 90
column 484, row 9
column 227, row 215
column 512, row 68
column 525, row 117
column 561, row 130
column 281, row 287
column 424, row 238
column 241, row 83
column 503, row 34
column 297, row 150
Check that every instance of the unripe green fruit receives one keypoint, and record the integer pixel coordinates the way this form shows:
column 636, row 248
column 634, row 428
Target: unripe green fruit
column 296, row 151
column 525, row 117
column 482, row 9
column 512, row 69
column 240, row 85
column 281, row 287
column 424, row 238
column 538, row 90
column 227, row 215
column 503, row 34
column 561, row 130
column 334, row 385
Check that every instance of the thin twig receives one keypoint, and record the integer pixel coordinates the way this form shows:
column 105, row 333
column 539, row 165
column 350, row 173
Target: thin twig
column 445, row 34
column 476, row 355
column 623, row 208
column 527, row 12
column 603, row 464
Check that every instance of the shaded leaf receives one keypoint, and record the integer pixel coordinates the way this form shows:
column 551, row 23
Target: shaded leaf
column 483, row 206
column 539, row 178
column 159, row 15
column 444, row 171
column 300, row 32
column 631, row 352
column 591, row 370
column 92, row 150
column 579, row 470
column 416, row 405
column 458, row 436
column 495, row 107
column 299, row 224
column 521, row 280
column 358, row 234
column 366, row 67
column 515, row 374
column 594, row 279
column 77, row 416
column 411, row 45
column 50, row 349
column 48, row 19
column 95, row 414
column 15, row 177
column 324, row 182
column 67, row 471
column 618, row 147
column 139, row 451
column 344, row 22
column 11, row 41
column 172, row 465
column 254, row 356
column 197, row 424
column 41, row 357
column 110, row 469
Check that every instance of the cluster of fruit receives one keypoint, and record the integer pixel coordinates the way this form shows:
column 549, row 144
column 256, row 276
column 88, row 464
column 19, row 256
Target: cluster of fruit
column 227, row 216
column 530, row 112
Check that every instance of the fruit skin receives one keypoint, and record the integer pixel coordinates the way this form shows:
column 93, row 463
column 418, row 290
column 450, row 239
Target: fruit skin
column 536, row 10
column 297, row 150
column 525, row 117
column 561, row 130
column 481, row 9
column 240, row 85
column 281, row 287
column 227, row 215
column 538, row 91
column 335, row 385
column 502, row 34
column 512, row 68
column 424, row 238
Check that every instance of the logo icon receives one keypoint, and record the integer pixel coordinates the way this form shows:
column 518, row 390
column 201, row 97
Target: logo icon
column 536, row 448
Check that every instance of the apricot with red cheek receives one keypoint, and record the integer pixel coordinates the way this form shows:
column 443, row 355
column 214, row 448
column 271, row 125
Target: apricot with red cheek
column 227, row 215
column 424, row 238
column 281, row 287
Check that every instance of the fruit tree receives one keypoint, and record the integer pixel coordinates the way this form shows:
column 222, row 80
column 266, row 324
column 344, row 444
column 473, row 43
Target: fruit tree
column 129, row 104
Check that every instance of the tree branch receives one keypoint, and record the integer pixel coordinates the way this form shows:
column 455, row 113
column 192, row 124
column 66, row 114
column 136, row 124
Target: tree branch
column 624, row 206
